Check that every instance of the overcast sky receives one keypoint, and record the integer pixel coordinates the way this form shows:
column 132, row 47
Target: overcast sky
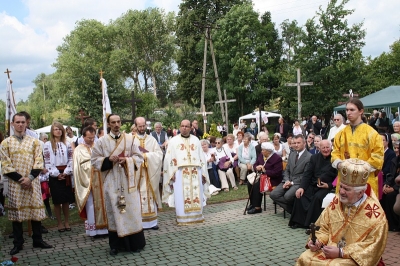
column 31, row 30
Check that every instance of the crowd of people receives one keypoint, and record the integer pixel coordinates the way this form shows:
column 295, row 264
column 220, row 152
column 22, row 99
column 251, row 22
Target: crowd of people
column 117, row 179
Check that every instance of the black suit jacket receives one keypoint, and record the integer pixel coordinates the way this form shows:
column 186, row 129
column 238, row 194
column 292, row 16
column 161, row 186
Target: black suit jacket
column 285, row 130
column 199, row 133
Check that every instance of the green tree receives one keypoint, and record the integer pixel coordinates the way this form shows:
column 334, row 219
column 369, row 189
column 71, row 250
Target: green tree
column 249, row 50
column 144, row 45
column 192, row 17
column 84, row 52
column 330, row 56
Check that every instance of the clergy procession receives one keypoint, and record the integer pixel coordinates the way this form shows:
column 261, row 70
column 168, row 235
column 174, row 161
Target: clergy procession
column 340, row 182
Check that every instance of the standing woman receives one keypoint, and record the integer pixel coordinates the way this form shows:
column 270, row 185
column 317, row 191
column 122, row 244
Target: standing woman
column 58, row 162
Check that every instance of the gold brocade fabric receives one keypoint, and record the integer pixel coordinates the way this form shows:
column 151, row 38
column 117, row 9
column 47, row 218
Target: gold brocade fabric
column 365, row 144
column 87, row 179
column 120, row 181
column 149, row 177
column 365, row 230
column 22, row 157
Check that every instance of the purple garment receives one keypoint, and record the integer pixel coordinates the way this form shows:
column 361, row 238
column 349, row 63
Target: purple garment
column 273, row 168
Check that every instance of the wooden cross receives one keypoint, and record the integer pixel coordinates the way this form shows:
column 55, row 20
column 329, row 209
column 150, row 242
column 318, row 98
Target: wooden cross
column 226, row 101
column 8, row 74
column 101, row 73
column 298, row 85
column 311, row 231
column 82, row 116
column 133, row 100
column 204, row 114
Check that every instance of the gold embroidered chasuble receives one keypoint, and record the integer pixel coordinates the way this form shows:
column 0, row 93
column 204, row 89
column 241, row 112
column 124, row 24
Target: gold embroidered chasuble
column 88, row 179
column 21, row 157
column 120, row 181
column 149, row 176
column 186, row 156
column 364, row 228
column 365, row 144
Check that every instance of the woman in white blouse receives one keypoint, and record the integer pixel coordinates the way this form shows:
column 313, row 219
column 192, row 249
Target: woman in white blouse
column 209, row 154
column 279, row 150
column 225, row 169
column 297, row 128
column 58, row 162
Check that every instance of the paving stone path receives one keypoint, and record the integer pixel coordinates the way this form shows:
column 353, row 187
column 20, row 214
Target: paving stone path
column 226, row 238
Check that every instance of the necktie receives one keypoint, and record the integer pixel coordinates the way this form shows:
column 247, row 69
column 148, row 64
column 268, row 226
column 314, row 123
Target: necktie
column 297, row 157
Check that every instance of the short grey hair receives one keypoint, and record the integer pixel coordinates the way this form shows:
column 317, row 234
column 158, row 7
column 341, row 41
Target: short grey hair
column 204, row 141
column 340, row 116
column 248, row 136
column 360, row 188
column 157, row 124
column 43, row 135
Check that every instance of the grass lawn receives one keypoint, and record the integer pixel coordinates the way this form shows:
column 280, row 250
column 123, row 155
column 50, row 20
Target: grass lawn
column 241, row 193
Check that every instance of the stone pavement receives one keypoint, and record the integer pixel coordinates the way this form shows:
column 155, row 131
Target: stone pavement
column 226, row 238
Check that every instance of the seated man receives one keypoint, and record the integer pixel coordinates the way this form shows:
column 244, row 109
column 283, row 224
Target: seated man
column 309, row 196
column 284, row 194
column 353, row 229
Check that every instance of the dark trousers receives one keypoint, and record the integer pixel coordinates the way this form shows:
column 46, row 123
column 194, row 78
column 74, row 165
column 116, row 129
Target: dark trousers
column 18, row 233
column 255, row 195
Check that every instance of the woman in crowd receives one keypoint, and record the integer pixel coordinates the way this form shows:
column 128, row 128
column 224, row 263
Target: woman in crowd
column 239, row 138
column 231, row 147
column 390, row 192
column 310, row 141
column 287, row 146
column 269, row 163
column 58, row 162
column 317, row 141
column 209, row 154
column 44, row 181
column 297, row 128
column 247, row 157
column 224, row 160
column 235, row 130
column 278, row 147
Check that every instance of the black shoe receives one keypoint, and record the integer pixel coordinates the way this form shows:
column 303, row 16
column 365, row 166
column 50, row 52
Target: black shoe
column 15, row 250
column 295, row 226
column 155, row 227
column 250, row 207
column 11, row 235
column 41, row 244
column 254, row 211
column 113, row 251
column 44, row 230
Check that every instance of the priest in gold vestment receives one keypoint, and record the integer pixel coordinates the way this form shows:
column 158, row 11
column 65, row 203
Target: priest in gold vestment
column 353, row 228
column 148, row 175
column 89, row 187
column 118, row 158
column 358, row 140
column 186, row 176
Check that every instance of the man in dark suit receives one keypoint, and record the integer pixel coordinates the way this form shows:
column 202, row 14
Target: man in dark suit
column 282, row 128
column 285, row 193
column 314, row 126
column 196, row 131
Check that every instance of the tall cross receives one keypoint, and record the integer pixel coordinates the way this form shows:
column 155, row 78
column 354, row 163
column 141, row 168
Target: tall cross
column 8, row 73
column 101, row 73
column 204, row 114
column 82, row 116
column 226, row 101
column 298, row 85
column 133, row 101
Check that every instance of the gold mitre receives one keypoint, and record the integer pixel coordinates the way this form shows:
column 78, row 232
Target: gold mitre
column 355, row 172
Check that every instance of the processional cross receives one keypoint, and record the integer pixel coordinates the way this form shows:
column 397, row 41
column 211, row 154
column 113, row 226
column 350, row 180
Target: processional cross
column 133, row 102
column 82, row 116
column 204, row 114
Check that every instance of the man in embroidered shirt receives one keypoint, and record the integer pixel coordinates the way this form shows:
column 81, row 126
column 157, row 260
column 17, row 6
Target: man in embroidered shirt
column 148, row 175
column 22, row 161
column 186, row 176
column 353, row 228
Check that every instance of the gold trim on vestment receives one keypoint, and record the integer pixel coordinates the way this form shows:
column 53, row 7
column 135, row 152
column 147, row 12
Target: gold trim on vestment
column 149, row 219
column 189, row 223
column 189, row 216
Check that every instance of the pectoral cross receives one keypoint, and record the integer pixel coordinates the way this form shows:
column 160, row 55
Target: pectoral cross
column 311, row 231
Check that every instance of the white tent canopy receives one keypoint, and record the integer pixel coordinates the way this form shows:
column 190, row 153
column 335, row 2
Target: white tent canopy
column 48, row 128
column 256, row 115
